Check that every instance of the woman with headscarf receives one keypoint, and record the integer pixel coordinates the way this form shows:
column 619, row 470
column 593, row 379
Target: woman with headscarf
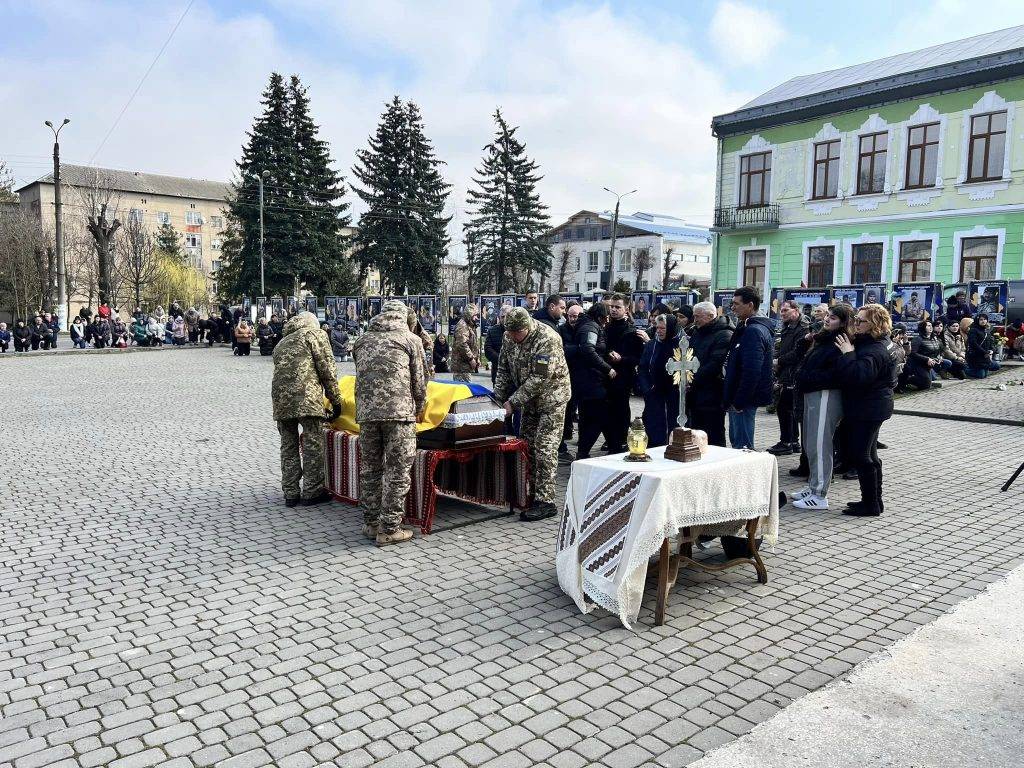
column 660, row 392
column 264, row 336
column 179, row 330
column 442, row 353
column 155, row 331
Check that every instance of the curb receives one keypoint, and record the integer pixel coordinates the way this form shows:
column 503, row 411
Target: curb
column 958, row 417
column 105, row 351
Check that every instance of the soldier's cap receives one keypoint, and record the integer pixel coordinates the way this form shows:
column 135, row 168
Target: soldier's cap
column 518, row 320
column 394, row 305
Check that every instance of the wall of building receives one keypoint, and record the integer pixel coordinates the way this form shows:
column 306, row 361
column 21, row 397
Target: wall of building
column 942, row 213
column 694, row 261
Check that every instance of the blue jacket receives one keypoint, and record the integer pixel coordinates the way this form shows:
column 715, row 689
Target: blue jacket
column 748, row 369
column 651, row 374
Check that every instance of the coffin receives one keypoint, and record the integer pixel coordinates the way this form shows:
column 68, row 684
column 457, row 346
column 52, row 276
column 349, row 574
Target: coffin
column 471, row 422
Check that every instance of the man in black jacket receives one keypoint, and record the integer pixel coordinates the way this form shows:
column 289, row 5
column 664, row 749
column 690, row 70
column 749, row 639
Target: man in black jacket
column 551, row 313
column 792, row 347
column 567, row 331
column 625, row 348
column 493, row 340
column 588, row 372
column 710, row 342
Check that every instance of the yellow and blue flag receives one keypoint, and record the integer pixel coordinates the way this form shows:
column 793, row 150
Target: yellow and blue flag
column 440, row 396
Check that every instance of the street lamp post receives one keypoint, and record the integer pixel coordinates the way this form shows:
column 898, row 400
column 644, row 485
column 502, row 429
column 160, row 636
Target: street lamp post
column 62, row 294
column 263, row 285
column 615, row 227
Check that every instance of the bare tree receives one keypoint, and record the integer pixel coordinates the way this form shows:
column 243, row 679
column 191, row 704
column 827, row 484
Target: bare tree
column 23, row 261
column 642, row 261
column 138, row 262
column 669, row 267
column 7, row 194
column 565, row 255
column 101, row 203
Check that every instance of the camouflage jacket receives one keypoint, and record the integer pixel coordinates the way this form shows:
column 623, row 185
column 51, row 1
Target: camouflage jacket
column 428, row 354
column 465, row 348
column 390, row 383
column 533, row 374
column 304, row 370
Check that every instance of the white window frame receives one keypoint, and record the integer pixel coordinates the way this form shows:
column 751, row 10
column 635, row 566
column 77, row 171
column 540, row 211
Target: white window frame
column 193, row 218
column 979, row 231
column 985, row 190
column 828, row 132
column 741, row 255
column 198, row 237
column 924, row 115
column 625, row 260
column 837, row 257
column 591, row 285
column 871, row 201
column 864, row 239
column 755, row 145
column 217, row 222
column 163, row 217
column 593, row 264
column 136, row 215
column 914, row 236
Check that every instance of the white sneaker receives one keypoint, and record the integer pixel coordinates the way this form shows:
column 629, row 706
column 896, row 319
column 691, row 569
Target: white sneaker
column 811, row 502
column 803, row 493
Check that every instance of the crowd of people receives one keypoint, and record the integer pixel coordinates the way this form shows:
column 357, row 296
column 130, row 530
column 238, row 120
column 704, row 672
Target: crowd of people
column 829, row 376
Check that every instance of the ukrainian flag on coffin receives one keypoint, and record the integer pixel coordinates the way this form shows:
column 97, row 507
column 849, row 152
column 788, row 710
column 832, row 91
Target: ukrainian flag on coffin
column 440, row 396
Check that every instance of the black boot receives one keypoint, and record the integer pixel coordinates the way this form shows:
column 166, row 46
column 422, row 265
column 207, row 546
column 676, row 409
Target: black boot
column 539, row 510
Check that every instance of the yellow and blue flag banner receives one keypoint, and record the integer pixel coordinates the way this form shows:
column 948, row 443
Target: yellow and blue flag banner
column 440, row 396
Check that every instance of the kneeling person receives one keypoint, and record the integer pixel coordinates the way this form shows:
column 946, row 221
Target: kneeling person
column 391, row 391
column 304, row 372
column 533, row 376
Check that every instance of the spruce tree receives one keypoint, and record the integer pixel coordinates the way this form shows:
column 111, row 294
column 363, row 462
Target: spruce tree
column 317, row 197
column 508, row 219
column 168, row 242
column 303, row 211
column 403, row 233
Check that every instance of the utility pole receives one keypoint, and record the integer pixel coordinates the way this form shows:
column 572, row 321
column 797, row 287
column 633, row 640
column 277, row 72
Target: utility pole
column 615, row 227
column 62, row 290
column 263, row 284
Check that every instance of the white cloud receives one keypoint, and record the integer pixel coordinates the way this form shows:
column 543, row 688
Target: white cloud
column 743, row 34
column 600, row 100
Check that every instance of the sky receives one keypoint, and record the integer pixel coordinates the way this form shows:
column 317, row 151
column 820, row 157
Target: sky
column 606, row 94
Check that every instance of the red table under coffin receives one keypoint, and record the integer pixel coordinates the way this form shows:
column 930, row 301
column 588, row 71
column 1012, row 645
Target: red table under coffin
column 490, row 474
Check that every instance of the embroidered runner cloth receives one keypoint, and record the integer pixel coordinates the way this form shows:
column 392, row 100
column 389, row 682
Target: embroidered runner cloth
column 617, row 514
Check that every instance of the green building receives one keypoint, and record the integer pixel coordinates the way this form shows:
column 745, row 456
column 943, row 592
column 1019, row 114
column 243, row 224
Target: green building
column 905, row 169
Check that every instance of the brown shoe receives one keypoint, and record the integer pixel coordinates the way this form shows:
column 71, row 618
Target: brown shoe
column 396, row 537
column 370, row 530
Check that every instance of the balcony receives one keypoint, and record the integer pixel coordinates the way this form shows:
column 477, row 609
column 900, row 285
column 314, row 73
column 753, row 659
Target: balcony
column 734, row 218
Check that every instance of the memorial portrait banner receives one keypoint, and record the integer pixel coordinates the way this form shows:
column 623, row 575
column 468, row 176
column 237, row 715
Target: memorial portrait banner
column 990, row 297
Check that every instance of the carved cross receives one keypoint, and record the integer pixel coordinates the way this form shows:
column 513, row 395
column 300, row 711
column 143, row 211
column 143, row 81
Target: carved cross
column 682, row 366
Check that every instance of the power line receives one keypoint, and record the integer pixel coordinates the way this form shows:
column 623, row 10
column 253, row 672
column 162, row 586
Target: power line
column 142, row 81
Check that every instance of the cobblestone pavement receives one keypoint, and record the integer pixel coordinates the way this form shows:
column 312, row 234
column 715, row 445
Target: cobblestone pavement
column 161, row 606
column 974, row 397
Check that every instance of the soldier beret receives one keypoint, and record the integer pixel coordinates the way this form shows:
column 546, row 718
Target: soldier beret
column 518, row 320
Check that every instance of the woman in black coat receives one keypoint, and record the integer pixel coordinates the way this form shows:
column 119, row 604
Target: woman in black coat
column 657, row 386
column 442, row 354
column 867, row 372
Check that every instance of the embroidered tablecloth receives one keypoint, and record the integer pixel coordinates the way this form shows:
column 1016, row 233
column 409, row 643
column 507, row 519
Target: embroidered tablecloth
column 492, row 474
column 618, row 513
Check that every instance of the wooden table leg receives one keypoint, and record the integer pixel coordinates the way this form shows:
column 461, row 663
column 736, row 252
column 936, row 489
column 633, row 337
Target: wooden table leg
column 762, row 572
column 659, row 611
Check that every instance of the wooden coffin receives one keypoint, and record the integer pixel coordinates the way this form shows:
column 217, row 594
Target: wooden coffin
column 475, row 421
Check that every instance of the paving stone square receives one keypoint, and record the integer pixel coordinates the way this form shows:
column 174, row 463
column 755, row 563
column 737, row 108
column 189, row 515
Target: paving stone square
column 161, row 606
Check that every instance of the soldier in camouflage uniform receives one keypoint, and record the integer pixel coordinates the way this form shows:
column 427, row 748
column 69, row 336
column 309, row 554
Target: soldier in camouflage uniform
column 391, row 391
column 533, row 376
column 304, row 372
column 428, row 343
column 465, row 345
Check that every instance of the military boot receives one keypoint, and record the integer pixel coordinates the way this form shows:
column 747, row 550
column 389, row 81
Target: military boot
column 370, row 530
column 540, row 510
column 396, row 537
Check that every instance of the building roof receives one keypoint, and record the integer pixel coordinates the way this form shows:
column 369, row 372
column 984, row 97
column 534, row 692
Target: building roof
column 962, row 63
column 652, row 223
column 136, row 181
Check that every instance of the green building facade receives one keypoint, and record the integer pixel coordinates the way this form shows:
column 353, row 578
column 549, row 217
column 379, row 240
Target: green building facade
column 908, row 169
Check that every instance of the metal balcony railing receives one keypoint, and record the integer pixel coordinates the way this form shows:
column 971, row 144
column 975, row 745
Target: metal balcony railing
column 759, row 217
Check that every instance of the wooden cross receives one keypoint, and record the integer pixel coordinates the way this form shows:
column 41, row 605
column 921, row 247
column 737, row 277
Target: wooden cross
column 682, row 366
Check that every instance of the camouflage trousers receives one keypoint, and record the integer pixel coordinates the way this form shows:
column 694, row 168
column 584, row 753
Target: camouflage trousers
column 542, row 430
column 387, row 450
column 293, row 470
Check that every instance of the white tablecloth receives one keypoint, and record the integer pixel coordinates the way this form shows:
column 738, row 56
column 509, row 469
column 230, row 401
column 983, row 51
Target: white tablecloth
column 617, row 513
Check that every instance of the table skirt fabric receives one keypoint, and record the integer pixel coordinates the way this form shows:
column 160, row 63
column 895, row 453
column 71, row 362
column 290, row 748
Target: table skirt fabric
column 617, row 514
column 479, row 474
